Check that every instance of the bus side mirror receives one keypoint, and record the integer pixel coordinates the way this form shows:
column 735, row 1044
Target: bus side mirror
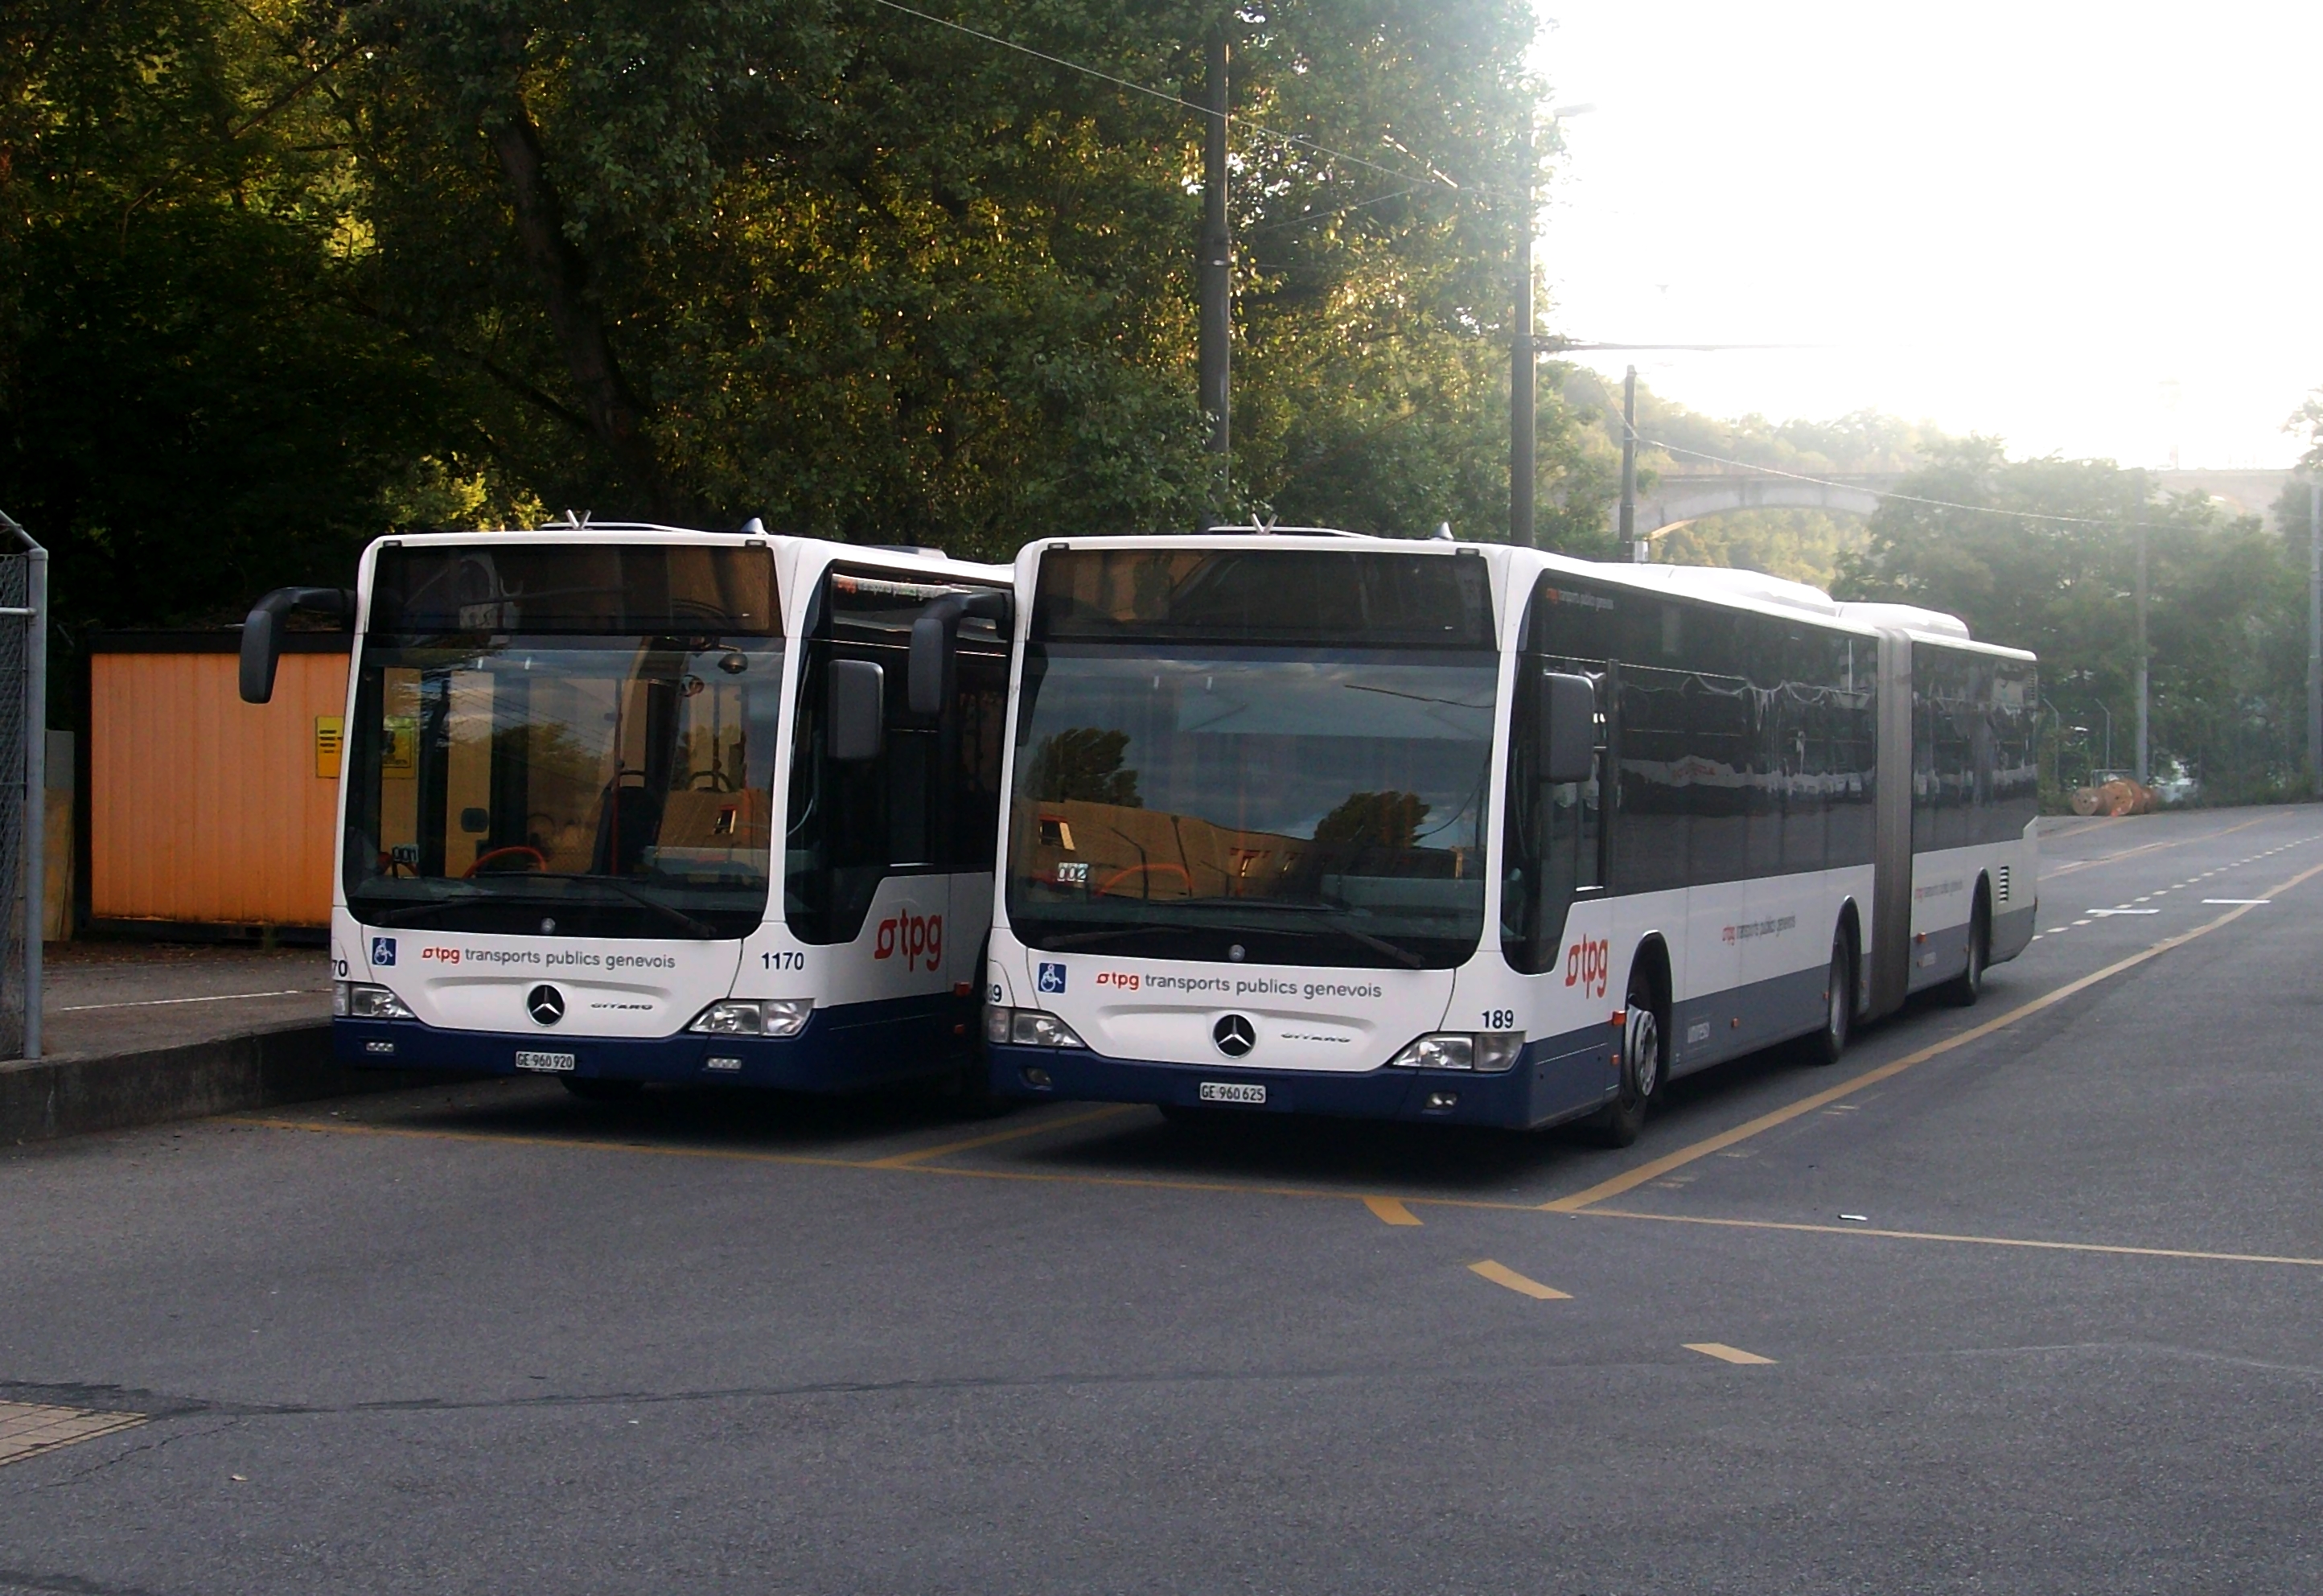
column 935, row 639
column 262, row 634
column 858, row 710
column 1568, row 728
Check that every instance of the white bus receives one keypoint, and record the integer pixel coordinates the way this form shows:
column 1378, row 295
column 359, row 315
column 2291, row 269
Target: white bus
column 569, row 755
column 1320, row 823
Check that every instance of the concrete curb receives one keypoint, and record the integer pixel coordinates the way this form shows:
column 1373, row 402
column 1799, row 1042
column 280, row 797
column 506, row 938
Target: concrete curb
column 45, row 1099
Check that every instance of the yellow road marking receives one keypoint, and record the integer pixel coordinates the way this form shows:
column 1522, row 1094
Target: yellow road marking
column 905, row 1160
column 2131, row 853
column 1390, row 1211
column 27, row 1428
column 1937, row 1235
column 1655, row 1169
column 751, row 1156
column 1501, row 1274
column 1724, row 1354
column 1234, row 1189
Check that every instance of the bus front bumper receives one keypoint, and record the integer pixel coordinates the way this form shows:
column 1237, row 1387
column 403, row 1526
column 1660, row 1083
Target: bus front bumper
column 840, row 1049
column 1550, row 1083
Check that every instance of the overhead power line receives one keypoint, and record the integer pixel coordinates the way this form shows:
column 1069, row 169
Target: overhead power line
column 1429, row 179
column 1985, row 510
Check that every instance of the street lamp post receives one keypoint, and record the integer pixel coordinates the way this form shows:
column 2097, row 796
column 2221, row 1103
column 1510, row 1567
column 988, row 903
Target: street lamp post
column 1215, row 268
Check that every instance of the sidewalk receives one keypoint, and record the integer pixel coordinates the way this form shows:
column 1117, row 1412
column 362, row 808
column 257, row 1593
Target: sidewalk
column 140, row 1032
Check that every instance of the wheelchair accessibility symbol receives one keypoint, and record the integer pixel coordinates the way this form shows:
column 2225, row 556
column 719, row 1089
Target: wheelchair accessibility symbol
column 1052, row 978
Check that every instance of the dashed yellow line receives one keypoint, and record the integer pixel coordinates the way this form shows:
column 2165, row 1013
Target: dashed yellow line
column 1724, row 1354
column 1390, row 1210
column 1501, row 1274
column 1655, row 1169
column 1231, row 1188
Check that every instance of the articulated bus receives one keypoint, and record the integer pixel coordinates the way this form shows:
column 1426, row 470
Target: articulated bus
column 569, row 754
column 1333, row 824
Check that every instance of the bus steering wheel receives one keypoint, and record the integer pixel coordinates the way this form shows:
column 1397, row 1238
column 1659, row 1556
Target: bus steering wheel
column 539, row 859
column 1118, row 876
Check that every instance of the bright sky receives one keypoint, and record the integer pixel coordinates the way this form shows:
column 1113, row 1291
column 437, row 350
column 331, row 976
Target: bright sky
column 2088, row 228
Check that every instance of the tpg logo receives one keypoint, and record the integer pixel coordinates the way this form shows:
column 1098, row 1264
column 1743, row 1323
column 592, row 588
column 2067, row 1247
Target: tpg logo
column 1585, row 966
column 918, row 938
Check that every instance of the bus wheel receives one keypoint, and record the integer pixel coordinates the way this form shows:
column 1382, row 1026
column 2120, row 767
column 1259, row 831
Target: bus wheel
column 1838, row 1004
column 1619, row 1122
column 603, row 1091
column 1966, row 988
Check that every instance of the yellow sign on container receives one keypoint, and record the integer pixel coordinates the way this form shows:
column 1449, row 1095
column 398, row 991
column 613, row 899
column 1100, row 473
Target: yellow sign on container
column 330, row 732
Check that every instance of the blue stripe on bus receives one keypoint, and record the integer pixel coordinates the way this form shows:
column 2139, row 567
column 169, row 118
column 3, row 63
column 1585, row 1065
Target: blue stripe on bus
column 840, row 1049
column 1555, row 1078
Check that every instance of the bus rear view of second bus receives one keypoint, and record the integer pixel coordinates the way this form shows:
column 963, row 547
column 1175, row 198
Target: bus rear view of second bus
column 1477, row 834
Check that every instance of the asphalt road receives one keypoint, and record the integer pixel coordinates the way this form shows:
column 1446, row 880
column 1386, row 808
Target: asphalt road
column 2017, row 1298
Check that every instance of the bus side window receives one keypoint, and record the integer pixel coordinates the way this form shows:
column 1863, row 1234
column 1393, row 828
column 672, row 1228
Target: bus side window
column 1651, row 839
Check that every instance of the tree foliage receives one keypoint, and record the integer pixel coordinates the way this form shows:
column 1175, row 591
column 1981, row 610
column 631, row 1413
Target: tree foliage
column 2047, row 560
column 282, row 274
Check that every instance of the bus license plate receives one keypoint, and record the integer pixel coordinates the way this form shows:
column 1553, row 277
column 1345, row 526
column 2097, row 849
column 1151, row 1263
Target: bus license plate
column 1222, row 1091
column 551, row 1063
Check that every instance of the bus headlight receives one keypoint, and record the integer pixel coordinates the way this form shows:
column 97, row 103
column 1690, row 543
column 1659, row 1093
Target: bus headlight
column 1485, row 1052
column 1027, row 1027
column 360, row 1000
column 754, row 1016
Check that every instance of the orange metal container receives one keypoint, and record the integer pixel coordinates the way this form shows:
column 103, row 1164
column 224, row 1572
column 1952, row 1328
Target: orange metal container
column 203, row 809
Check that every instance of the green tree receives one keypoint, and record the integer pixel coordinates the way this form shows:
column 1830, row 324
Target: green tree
column 283, row 273
column 190, row 406
column 2046, row 560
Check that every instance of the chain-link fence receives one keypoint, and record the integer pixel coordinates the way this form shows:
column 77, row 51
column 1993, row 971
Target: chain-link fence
column 23, row 745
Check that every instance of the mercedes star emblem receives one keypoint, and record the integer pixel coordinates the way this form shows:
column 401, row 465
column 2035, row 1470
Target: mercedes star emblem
column 1234, row 1035
column 547, row 1006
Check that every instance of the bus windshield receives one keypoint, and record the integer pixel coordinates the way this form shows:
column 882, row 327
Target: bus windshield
column 586, row 785
column 1279, row 805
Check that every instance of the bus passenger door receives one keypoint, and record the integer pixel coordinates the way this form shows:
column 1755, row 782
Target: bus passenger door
column 973, row 732
column 1556, row 921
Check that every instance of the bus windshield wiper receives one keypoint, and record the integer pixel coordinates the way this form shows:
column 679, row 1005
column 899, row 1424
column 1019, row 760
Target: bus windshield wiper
column 1090, row 938
column 413, row 913
column 1337, row 923
column 697, row 928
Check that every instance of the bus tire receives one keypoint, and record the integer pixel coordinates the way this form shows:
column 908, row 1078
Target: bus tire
column 1826, row 1045
column 1644, row 1064
column 594, row 1089
column 1964, row 989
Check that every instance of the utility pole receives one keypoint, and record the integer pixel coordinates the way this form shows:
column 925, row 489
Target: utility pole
column 2144, row 771
column 1630, row 467
column 1214, row 264
column 1521, row 377
column 2315, row 636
